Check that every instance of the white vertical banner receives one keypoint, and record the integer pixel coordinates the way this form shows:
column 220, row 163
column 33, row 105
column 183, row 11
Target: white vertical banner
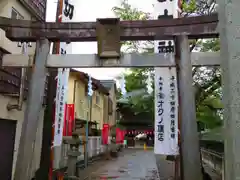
column 166, row 112
column 166, row 94
column 66, row 15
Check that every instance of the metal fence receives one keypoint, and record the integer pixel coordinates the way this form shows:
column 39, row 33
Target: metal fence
column 213, row 160
column 95, row 148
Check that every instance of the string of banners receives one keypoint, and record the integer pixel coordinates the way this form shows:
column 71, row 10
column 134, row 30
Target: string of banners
column 166, row 94
column 136, row 132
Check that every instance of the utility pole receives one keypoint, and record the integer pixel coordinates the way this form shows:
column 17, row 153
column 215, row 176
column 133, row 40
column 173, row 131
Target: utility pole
column 230, row 54
column 189, row 134
column 32, row 112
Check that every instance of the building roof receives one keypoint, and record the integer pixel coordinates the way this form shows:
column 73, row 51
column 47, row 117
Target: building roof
column 216, row 134
column 134, row 93
column 109, row 84
column 36, row 8
column 95, row 82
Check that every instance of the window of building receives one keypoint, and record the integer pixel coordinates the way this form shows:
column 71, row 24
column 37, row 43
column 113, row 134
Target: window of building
column 33, row 18
column 87, row 101
column 81, row 108
column 16, row 15
column 97, row 98
column 87, row 116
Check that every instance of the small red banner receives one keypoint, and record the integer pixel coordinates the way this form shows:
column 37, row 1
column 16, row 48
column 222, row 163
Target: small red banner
column 119, row 136
column 69, row 120
column 105, row 131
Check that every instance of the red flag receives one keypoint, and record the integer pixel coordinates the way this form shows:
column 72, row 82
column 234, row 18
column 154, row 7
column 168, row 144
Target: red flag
column 123, row 136
column 105, row 131
column 69, row 120
column 119, row 136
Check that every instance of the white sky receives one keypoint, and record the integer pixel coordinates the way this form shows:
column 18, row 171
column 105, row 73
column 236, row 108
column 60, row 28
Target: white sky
column 90, row 10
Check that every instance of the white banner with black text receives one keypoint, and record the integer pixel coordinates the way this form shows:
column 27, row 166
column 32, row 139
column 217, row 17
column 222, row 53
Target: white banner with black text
column 166, row 95
column 62, row 77
column 166, row 111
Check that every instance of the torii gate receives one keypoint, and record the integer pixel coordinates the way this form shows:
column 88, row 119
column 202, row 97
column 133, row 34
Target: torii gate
column 109, row 56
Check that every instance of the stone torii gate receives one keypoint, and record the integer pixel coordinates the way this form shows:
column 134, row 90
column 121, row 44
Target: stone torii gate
column 108, row 33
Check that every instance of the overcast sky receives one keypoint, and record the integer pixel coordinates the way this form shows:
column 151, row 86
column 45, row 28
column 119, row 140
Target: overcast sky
column 90, row 10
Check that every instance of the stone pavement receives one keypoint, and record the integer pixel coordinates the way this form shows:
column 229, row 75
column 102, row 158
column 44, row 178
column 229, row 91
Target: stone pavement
column 166, row 168
column 133, row 164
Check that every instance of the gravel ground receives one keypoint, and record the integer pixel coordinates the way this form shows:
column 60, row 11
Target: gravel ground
column 131, row 164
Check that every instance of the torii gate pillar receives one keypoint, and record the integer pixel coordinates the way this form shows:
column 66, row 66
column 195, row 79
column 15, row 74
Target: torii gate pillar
column 229, row 24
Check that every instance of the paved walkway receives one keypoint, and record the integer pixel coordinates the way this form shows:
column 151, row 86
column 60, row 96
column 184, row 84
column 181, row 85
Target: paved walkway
column 131, row 165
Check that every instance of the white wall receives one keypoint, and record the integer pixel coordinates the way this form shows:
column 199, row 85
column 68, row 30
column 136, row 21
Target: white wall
column 19, row 116
column 5, row 11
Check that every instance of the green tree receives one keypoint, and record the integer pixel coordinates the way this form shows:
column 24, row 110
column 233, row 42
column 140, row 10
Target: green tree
column 207, row 80
column 136, row 79
column 128, row 12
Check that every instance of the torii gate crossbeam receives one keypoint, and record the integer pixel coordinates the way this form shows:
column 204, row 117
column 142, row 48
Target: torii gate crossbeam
column 193, row 27
column 126, row 60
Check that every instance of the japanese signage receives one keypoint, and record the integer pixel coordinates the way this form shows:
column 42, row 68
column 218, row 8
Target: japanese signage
column 61, row 98
column 67, row 14
column 69, row 120
column 166, row 95
column 173, row 107
column 166, row 111
column 36, row 7
column 105, row 131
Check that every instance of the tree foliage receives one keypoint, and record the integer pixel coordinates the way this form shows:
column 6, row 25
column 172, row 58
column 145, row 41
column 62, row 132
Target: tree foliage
column 128, row 12
column 207, row 80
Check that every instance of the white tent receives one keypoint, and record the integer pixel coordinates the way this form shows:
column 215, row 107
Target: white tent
column 143, row 135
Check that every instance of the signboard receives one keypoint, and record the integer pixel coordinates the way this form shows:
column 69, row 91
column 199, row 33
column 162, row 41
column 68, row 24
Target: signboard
column 166, row 112
column 105, row 131
column 69, row 120
column 36, row 7
column 60, row 109
column 62, row 77
column 166, row 95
